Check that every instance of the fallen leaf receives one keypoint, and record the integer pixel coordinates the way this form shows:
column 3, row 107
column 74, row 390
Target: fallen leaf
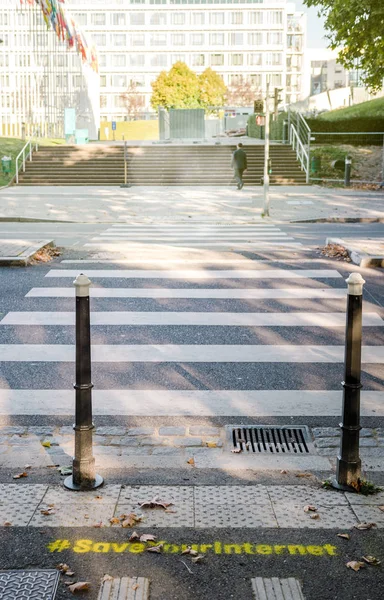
column 65, row 470
column 99, row 498
column 28, row 467
column 135, row 586
column 79, row 586
column 7, row 524
column 283, row 472
column 236, row 450
column 46, row 444
column 62, row 567
column 154, row 503
column 198, row 558
column 191, row 462
column 70, row 573
column 134, row 537
column 363, row 526
column 372, row 560
column 310, row 508
column 47, row 511
column 130, row 520
column 381, row 508
column 20, row 475
column 156, row 549
column 355, row 565
column 345, row 536
column 211, row 444
column 315, row 516
column 106, row 578
column 147, row 537
column 98, row 525
column 171, row 512
column 114, row 521
column 303, row 475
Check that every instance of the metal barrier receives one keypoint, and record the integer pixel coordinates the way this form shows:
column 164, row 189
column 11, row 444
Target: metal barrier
column 25, row 155
column 302, row 151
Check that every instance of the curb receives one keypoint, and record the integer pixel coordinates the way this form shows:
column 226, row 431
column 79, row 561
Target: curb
column 25, row 259
column 357, row 256
column 341, row 220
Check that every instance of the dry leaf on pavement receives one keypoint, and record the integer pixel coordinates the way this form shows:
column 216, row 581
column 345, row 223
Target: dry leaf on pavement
column 198, row 558
column 47, row 511
column 79, row 586
column 316, row 516
column 381, row 508
column 236, row 450
column 283, row 472
column 7, row 524
column 355, row 565
column 114, row 521
column 46, row 444
column 130, row 520
column 147, row 537
column 363, row 526
column 134, row 537
column 98, row 525
column 191, row 462
column 106, row 578
column 156, row 549
column 154, row 503
column 63, row 567
column 345, row 536
column 303, row 475
column 371, row 560
column 20, row 475
column 310, row 508
column 135, row 586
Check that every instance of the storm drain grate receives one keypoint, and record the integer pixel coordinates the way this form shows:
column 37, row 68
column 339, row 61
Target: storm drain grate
column 263, row 439
column 29, row 585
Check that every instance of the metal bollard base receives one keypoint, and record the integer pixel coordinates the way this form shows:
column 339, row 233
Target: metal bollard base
column 88, row 485
column 344, row 488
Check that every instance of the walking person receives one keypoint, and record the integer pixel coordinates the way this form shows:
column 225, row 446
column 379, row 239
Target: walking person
column 239, row 164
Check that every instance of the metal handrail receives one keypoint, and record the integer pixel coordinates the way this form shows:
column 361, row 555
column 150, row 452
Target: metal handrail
column 302, row 154
column 26, row 156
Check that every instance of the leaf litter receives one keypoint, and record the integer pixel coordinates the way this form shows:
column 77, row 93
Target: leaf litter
column 355, row 565
column 363, row 526
column 371, row 560
column 155, row 503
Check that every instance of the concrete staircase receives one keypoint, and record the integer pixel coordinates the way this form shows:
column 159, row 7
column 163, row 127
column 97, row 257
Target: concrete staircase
column 103, row 165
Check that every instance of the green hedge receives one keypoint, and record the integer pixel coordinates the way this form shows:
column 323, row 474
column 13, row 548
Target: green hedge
column 360, row 124
column 276, row 127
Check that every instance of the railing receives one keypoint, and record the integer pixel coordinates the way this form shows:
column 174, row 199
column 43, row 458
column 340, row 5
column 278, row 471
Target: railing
column 24, row 154
column 302, row 151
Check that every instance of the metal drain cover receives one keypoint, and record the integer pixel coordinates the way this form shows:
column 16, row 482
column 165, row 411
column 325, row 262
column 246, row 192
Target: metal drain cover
column 263, row 439
column 29, row 585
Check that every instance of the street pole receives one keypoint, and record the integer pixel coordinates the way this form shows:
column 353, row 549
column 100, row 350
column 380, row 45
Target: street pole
column 347, row 172
column 265, row 212
column 83, row 476
column 348, row 465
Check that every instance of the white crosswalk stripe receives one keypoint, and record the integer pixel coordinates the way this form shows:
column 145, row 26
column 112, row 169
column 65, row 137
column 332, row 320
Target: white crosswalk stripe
column 199, row 274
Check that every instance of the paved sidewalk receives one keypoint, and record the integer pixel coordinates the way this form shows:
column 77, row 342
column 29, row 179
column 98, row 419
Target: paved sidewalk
column 200, row 507
column 113, row 204
column 17, row 252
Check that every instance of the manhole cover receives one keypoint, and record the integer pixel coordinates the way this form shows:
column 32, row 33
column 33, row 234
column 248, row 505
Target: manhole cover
column 262, row 439
column 29, row 585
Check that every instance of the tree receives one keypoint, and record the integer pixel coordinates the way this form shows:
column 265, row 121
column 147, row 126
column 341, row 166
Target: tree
column 133, row 101
column 356, row 26
column 177, row 88
column 242, row 93
column 212, row 89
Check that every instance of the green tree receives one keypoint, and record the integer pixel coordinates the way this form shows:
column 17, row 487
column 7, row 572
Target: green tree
column 357, row 27
column 177, row 88
column 212, row 89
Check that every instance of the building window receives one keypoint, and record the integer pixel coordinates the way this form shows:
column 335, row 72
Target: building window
column 236, row 59
column 217, row 60
column 119, row 39
column 81, row 18
column 275, row 17
column 255, row 38
column 274, row 38
column 159, row 60
column 118, row 60
column 4, row 60
column 4, row 18
column 98, row 19
column 236, row 39
column 100, row 39
column 137, row 60
column 255, row 79
column 159, row 19
column 255, row 59
column 177, row 58
column 138, row 80
column 178, row 39
column 237, row 18
column 119, row 80
column 178, row 18
column 235, row 79
column 274, row 58
column 276, row 80
column 103, row 81
column 256, row 17
column 198, row 60
column 217, row 18
column 158, row 39
column 102, row 60
column 216, row 39
column 137, row 39
column 103, row 101
column 198, row 18
column 137, row 18
column 119, row 102
column 118, row 19
column 197, row 39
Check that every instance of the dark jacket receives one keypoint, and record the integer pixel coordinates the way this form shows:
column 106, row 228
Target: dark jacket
column 239, row 159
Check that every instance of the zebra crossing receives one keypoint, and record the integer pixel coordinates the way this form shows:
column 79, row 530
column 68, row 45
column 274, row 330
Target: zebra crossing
column 201, row 340
column 255, row 235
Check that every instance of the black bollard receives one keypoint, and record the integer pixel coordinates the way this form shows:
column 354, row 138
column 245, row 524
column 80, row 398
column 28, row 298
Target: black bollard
column 348, row 467
column 347, row 171
column 83, row 475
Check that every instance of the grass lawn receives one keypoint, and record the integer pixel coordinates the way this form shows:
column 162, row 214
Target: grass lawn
column 12, row 146
column 372, row 108
column 366, row 161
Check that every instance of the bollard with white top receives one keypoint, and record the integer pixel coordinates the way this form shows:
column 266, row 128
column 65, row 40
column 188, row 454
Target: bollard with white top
column 348, row 466
column 83, row 476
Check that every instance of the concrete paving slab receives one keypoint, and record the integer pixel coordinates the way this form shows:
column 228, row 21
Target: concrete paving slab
column 365, row 253
column 19, row 252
